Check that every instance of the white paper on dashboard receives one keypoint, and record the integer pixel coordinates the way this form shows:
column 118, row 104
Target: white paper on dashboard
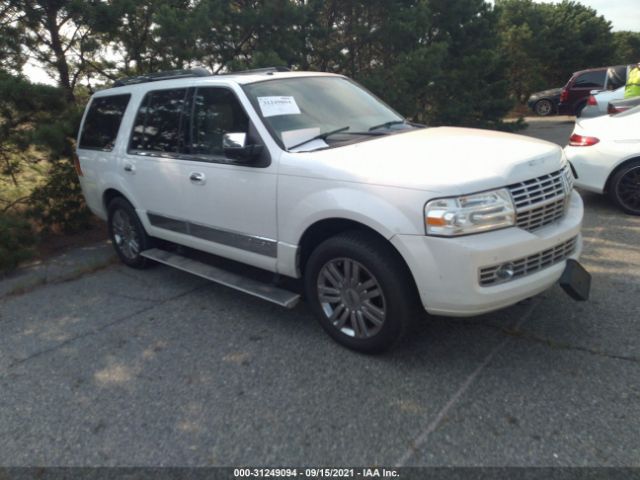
column 294, row 137
column 272, row 106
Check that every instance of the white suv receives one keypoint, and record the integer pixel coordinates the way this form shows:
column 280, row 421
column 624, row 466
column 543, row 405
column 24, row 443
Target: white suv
column 310, row 176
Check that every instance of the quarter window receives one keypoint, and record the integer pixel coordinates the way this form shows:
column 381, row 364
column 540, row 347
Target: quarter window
column 157, row 127
column 216, row 111
column 102, row 122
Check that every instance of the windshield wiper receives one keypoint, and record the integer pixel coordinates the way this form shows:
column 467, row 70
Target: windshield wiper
column 387, row 124
column 322, row 136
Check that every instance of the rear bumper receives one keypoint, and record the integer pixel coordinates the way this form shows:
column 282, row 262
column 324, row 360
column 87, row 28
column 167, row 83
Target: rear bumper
column 592, row 166
column 446, row 270
column 565, row 109
column 591, row 111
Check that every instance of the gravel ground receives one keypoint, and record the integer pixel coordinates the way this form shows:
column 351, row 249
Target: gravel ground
column 157, row 367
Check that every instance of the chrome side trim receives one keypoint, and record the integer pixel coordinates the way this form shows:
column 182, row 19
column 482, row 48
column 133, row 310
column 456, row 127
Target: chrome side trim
column 242, row 241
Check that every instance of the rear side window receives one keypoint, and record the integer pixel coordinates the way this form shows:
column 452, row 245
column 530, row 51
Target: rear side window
column 102, row 122
column 590, row 80
column 157, row 127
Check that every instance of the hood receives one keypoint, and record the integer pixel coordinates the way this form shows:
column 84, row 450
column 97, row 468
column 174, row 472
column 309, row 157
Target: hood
column 445, row 160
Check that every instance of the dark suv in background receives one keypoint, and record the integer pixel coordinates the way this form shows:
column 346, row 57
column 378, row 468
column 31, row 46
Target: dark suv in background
column 574, row 95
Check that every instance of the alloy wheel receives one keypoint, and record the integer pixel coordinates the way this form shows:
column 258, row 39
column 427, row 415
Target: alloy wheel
column 125, row 234
column 543, row 108
column 628, row 189
column 351, row 298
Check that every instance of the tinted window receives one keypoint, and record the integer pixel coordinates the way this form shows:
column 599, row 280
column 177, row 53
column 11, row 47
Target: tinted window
column 216, row 111
column 591, row 80
column 157, row 127
column 102, row 122
column 616, row 77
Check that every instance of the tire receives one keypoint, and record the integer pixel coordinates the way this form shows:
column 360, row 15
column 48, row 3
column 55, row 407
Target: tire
column 367, row 319
column 543, row 108
column 127, row 234
column 624, row 188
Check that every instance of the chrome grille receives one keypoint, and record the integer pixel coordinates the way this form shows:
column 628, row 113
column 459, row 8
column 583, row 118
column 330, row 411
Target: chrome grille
column 542, row 200
column 527, row 265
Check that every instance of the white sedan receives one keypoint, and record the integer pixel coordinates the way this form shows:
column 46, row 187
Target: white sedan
column 605, row 155
column 598, row 102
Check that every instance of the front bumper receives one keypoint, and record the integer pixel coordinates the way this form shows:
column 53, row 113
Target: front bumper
column 446, row 270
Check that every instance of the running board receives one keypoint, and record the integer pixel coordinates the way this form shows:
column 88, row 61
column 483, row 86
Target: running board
column 253, row 287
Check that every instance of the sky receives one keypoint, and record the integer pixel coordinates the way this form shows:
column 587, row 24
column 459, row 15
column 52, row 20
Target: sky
column 623, row 15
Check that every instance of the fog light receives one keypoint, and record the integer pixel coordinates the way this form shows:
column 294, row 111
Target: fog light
column 505, row 272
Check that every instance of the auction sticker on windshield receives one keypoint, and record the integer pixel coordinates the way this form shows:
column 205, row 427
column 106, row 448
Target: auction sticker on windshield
column 273, row 106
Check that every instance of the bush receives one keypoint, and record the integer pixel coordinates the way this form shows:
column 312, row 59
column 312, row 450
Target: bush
column 16, row 241
column 59, row 204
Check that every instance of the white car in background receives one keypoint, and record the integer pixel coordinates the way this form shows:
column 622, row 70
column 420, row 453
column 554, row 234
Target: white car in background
column 605, row 155
column 599, row 100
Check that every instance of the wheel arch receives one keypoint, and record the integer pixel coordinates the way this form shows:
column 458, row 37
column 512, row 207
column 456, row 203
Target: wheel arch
column 109, row 194
column 326, row 228
column 616, row 169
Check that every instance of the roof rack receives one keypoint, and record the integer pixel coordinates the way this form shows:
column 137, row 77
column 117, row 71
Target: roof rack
column 193, row 72
column 167, row 75
column 258, row 70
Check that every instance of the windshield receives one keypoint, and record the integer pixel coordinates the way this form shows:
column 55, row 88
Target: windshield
column 307, row 113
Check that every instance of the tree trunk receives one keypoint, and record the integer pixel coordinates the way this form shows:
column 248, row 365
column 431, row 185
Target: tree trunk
column 56, row 45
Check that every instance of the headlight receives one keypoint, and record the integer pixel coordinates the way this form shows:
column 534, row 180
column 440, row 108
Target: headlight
column 469, row 213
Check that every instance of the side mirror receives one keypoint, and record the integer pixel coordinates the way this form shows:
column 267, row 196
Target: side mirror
column 235, row 146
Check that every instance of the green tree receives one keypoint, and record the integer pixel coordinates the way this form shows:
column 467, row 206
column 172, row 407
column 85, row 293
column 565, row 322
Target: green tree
column 626, row 48
column 433, row 60
column 56, row 36
column 545, row 43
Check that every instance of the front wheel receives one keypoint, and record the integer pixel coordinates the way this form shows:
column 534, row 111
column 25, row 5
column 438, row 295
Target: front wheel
column 127, row 234
column 625, row 188
column 361, row 292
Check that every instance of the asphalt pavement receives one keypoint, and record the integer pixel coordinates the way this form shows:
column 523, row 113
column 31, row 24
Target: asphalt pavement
column 160, row 368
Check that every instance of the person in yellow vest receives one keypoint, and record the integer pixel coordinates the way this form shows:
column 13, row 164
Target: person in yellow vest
column 632, row 88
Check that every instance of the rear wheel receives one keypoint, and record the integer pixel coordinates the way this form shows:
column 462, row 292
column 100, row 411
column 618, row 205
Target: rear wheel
column 360, row 291
column 625, row 188
column 543, row 107
column 127, row 234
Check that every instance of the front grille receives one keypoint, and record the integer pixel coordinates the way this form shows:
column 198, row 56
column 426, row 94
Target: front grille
column 542, row 200
column 527, row 265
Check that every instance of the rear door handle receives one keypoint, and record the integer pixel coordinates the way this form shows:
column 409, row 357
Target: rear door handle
column 129, row 168
column 197, row 177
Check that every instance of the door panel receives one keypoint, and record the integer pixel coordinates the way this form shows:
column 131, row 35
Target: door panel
column 151, row 166
column 229, row 204
column 236, row 205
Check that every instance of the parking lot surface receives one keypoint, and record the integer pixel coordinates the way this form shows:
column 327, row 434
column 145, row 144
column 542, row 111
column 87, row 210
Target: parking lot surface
column 157, row 367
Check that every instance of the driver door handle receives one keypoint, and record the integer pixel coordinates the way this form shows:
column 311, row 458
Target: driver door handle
column 197, row 177
column 129, row 168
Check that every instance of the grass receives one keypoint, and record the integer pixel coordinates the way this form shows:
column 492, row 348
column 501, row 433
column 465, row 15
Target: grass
column 12, row 196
